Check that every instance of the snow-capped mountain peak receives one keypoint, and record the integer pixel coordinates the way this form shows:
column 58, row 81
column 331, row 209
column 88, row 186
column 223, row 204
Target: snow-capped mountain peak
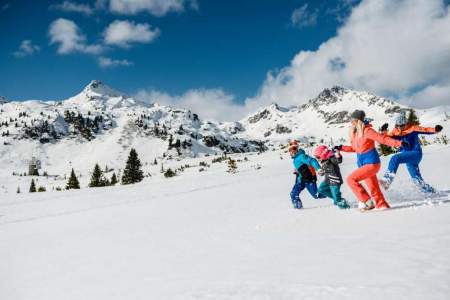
column 325, row 117
column 97, row 87
column 3, row 100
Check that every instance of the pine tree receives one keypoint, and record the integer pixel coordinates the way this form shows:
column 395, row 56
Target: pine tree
column 18, row 190
column 232, row 167
column 73, row 182
column 97, row 177
column 32, row 186
column 113, row 179
column 132, row 172
column 412, row 118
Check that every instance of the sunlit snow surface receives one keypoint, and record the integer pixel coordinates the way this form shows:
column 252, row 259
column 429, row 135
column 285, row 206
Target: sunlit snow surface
column 215, row 235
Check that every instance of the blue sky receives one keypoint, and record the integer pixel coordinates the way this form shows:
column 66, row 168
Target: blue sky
column 209, row 44
column 227, row 58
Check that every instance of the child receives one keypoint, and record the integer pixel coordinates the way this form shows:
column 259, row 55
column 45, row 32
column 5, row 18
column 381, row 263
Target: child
column 331, row 186
column 410, row 154
column 304, row 176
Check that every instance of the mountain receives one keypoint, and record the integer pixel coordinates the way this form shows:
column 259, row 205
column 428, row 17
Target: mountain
column 101, row 124
column 3, row 100
column 327, row 116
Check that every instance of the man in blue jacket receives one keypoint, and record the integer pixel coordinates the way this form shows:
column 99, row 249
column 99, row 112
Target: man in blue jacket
column 305, row 178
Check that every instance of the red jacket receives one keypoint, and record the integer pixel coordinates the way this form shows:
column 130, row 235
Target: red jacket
column 365, row 146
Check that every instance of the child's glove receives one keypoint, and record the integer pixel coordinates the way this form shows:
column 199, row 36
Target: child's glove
column 384, row 127
column 438, row 128
column 295, row 172
column 337, row 147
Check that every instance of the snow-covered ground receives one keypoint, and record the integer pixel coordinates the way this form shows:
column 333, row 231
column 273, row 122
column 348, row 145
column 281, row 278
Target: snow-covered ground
column 215, row 235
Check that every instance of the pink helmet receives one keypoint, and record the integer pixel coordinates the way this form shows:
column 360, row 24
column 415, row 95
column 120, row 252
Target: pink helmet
column 322, row 152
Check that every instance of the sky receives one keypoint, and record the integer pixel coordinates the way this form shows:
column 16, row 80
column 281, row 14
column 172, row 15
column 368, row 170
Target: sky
column 226, row 58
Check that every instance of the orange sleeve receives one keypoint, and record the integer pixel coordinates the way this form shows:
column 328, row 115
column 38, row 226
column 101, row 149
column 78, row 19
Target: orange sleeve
column 347, row 149
column 421, row 129
column 382, row 139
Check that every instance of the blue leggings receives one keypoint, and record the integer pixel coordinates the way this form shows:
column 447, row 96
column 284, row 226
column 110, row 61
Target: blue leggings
column 298, row 188
column 412, row 160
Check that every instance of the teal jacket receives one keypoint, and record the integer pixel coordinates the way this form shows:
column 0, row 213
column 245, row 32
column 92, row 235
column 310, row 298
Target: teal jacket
column 302, row 158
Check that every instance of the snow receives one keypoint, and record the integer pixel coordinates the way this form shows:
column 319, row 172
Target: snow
column 215, row 235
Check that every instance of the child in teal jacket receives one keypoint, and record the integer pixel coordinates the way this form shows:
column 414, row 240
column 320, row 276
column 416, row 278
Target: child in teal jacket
column 305, row 178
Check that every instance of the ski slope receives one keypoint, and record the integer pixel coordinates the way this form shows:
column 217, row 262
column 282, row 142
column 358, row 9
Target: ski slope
column 215, row 235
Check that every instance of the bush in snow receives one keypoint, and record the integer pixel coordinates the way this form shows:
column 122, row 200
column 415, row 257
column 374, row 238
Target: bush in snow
column 169, row 173
column 41, row 189
column 232, row 166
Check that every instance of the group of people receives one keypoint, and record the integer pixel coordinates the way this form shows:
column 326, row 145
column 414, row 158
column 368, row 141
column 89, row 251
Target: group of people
column 362, row 136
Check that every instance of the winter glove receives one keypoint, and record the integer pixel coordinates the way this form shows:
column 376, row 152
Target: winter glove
column 384, row 127
column 406, row 144
column 337, row 147
column 438, row 128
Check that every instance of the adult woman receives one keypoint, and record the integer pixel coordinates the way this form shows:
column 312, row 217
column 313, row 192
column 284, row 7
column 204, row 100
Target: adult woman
column 362, row 139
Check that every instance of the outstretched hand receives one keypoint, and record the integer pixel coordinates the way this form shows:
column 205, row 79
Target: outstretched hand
column 337, row 147
column 438, row 128
column 384, row 127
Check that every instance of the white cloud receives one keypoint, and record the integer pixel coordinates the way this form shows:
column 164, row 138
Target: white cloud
column 26, row 48
column 69, row 38
column 155, row 7
column 301, row 17
column 123, row 33
column 69, row 6
column 106, row 62
column 432, row 95
column 387, row 47
column 208, row 103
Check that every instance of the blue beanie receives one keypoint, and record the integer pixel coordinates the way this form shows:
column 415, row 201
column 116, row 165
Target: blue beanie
column 401, row 119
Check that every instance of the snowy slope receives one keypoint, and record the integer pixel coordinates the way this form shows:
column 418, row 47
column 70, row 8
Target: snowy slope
column 226, row 237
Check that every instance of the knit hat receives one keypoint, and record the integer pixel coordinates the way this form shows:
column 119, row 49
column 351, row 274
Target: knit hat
column 358, row 115
column 401, row 119
column 323, row 153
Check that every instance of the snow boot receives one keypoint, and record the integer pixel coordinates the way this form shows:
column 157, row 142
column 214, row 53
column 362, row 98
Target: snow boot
column 386, row 181
column 424, row 187
column 366, row 206
column 298, row 204
column 342, row 204
column 382, row 206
